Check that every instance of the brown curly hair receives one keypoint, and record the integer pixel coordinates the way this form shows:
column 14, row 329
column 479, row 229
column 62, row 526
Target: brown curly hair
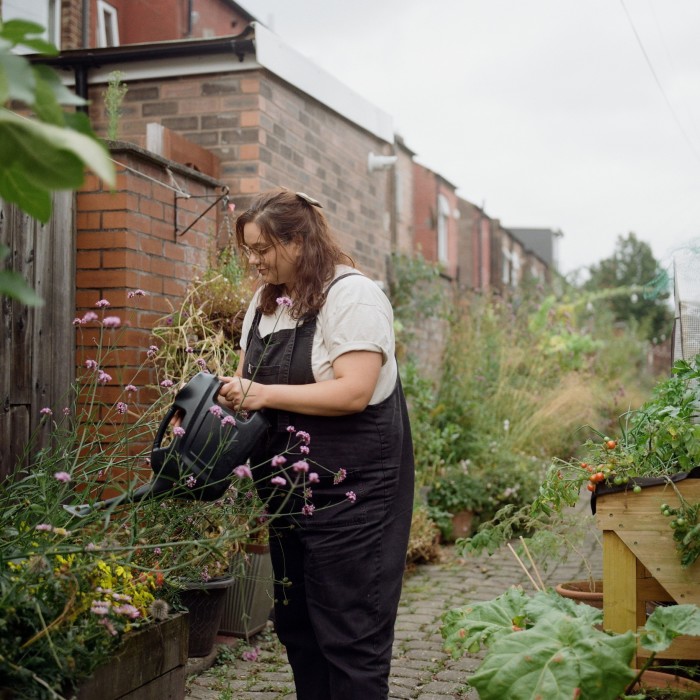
column 282, row 217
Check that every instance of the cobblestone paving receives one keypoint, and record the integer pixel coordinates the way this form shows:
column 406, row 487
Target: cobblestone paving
column 421, row 670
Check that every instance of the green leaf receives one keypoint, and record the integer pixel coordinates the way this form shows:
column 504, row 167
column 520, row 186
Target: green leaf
column 16, row 30
column 62, row 94
column 542, row 603
column 469, row 628
column 15, row 188
column 558, row 659
column 17, row 81
column 14, row 286
column 668, row 622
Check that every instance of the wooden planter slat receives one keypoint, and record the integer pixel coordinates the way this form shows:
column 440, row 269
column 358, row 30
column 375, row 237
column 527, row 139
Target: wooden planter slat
column 641, row 563
column 150, row 665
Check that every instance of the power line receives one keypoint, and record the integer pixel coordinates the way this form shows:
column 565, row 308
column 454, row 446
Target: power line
column 658, row 82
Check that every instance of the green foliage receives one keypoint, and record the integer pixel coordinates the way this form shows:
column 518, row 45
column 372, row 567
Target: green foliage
column 632, row 267
column 45, row 153
column 113, row 97
column 546, row 646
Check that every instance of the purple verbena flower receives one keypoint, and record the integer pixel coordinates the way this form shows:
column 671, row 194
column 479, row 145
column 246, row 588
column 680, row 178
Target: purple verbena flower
column 122, row 408
column 136, row 293
column 111, row 322
column 91, row 364
column 152, row 351
column 313, row 478
column 308, row 509
column 43, row 527
column 228, row 420
column 285, row 301
column 88, row 316
column 178, row 431
column 339, row 476
column 103, row 377
column 130, row 389
column 351, row 496
column 304, row 437
column 278, row 480
column 291, row 429
column 304, row 449
column 46, row 411
column 191, row 481
column 251, row 655
column 63, row 477
column 102, row 304
column 300, row 466
column 166, row 383
column 243, row 472
column 278, row 461
column 216, row 411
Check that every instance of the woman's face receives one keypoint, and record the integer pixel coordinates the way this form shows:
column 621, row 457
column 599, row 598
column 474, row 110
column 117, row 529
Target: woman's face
column 276, row 263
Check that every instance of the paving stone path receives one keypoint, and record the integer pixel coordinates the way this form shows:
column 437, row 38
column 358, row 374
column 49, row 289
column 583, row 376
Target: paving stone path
column 420, row 670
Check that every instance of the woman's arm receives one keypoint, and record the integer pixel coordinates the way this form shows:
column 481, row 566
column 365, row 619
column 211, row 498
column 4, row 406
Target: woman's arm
column 356, row 376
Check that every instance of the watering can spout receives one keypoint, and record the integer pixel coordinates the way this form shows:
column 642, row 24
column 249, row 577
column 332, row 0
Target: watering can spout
column 197, row 464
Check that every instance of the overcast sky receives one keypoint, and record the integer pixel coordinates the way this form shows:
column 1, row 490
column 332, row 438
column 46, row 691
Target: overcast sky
column 547, row 113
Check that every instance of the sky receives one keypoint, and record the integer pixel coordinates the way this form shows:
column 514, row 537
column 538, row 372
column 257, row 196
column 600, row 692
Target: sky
column 578, row 115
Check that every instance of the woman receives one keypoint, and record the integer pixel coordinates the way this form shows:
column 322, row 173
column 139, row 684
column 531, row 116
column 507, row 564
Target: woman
column 318, row 356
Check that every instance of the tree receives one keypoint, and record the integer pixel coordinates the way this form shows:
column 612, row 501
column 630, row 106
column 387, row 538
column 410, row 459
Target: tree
column 635, row 272
column 46, row 152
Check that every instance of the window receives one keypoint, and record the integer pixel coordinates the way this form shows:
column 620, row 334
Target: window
column 443, row 218
column 47, row 13
column 107, row 25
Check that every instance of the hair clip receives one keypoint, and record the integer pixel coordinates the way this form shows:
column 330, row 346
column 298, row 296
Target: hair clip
column 309, row 200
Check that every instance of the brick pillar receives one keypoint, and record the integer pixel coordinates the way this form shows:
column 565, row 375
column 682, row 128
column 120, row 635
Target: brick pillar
column 126, row 244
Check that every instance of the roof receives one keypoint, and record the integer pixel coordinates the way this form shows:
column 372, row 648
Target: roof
column 255, row 47
column 539, row 240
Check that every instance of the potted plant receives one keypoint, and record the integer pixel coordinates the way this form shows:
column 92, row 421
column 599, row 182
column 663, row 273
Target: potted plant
column 544, row 646
column 453, row 499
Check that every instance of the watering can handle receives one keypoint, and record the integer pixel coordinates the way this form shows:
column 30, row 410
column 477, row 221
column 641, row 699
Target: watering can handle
column 164, row 425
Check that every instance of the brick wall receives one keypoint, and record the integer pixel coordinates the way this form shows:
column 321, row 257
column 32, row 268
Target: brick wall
column 268, row 134
column 126, row 242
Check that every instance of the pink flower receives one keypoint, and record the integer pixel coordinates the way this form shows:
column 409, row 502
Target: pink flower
column 339, row 476
column 104, row 378
column 291, row 429
column 152, row 350
column 43, row 527
column 285, row 301
column 102, row 304
column 46, row 411
column 136, row 293
column 251, row 655
column 63, row 477
column 351, row 496
column 76, row 321
column 128, row 611
column 278, row 480
column 304, row 437
column 228, row 420
column 304, row 449
column 243, row 472
column 88, row 316
column 189, row 350
column 111, row 322
column 308, row 509
column 300, row 466
column 178, row 431
column 278, row 461
column 313, row 478
column 201, row 363
column 216, row 411
column 91, row 364
column 66, row 411
column 166, row 383
column 191, row 481
column 130, row 389
column 122, row 408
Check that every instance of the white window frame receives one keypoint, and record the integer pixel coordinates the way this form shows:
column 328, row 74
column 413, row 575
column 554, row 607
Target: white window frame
column 107, row 25
column 47, row 13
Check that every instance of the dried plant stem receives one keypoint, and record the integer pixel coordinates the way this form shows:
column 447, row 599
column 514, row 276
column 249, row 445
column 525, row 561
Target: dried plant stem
column 523, row 567
column 532, row 563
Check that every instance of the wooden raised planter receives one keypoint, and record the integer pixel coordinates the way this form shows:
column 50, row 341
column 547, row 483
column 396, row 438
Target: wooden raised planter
column 640, row 562
column 150, row 665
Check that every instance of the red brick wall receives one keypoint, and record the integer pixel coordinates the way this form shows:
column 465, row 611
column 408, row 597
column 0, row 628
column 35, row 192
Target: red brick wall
column 425, row 193
column 126, row 242
column 267, row 134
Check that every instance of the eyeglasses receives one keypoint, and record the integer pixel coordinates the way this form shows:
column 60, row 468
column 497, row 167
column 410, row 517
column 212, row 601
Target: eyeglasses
column 257, row 252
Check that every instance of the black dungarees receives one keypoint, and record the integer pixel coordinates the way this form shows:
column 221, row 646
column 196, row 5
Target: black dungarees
column 338, row 571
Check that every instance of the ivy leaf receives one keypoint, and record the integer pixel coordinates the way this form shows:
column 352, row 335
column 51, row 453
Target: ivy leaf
column 668, row 622
column 558, row 659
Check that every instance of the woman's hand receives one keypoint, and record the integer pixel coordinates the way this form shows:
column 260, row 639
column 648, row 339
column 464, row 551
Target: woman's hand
column 241, row 394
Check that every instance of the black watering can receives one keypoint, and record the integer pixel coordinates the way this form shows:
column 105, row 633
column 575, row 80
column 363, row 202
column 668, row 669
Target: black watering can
column 198, row 463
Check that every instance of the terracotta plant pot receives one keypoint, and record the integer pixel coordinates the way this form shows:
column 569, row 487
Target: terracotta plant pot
column 589, row 592
column 658, row 680
column 462, row 524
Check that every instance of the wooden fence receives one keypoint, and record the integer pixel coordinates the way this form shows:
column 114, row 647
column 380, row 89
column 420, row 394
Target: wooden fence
column 37, row 344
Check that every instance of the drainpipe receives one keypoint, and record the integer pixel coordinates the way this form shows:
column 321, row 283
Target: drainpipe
column 81, row 86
